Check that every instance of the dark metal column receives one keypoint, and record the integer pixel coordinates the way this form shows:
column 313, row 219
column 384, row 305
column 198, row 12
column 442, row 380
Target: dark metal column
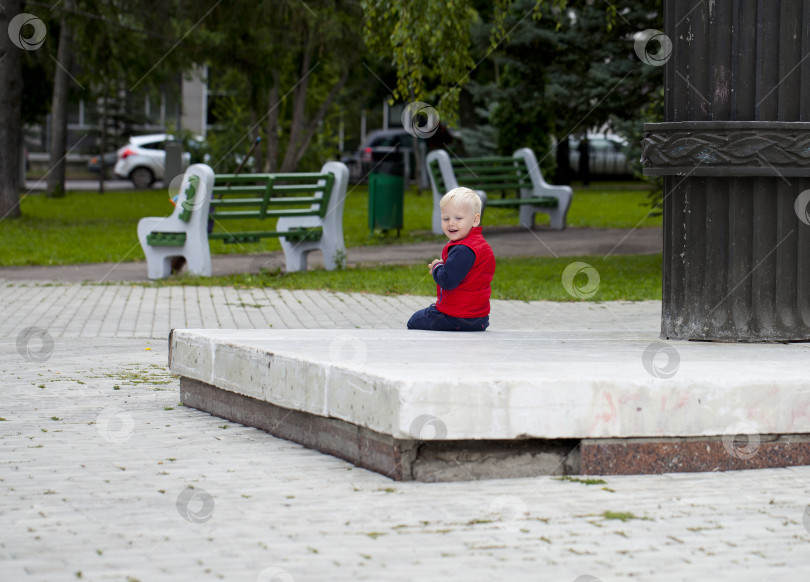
column 734, row 151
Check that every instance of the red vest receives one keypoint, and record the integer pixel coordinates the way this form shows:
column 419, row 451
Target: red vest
column 471, row 298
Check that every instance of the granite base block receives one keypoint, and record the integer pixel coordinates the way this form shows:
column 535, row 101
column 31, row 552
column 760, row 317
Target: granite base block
column 693, row 454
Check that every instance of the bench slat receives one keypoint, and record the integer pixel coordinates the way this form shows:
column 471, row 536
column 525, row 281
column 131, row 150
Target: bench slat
column 248, row 189
column 221, row 179
column 493, row 179
column 166, row 239
column 487, row 186
column 267, row 214
column 503, row 173
column 256, row 236
column 282, row 188
column 485, row 160
column 277, row 188
column 545, row 201
column 258, row 201
column 508, row 173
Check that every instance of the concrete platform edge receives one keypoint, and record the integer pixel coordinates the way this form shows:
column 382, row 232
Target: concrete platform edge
column 435, row 461
column 400, row 460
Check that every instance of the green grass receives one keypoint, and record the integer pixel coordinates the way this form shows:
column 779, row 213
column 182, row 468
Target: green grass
column 85, row 227
column 622, row 277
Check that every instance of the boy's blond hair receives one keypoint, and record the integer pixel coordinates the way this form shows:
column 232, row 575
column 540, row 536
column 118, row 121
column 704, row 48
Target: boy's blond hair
column 462, row 195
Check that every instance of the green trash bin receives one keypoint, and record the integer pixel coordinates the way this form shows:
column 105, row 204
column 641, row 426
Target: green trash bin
column 386, row 197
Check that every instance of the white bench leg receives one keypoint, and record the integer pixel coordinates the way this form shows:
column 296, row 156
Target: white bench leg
column 158, row 264
column 557, row 218
column 197, row 263
column 295, row 256
column 527, row 216
column 330, row 254
column 436, row 223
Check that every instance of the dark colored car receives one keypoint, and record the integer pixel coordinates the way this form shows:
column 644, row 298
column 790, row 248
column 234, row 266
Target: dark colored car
column 380, row 145
column 608, row 155
column 94, row 165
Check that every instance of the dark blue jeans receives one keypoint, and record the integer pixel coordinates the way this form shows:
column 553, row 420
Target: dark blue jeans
column 433, row 319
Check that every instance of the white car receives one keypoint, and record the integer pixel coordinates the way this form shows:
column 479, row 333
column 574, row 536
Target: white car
column 143, row 159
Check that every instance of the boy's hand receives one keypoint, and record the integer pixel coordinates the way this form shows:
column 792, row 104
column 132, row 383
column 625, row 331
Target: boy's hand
column 434, row 264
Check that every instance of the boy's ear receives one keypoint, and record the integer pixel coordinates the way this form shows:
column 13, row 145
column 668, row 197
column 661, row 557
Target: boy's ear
column 477, row 220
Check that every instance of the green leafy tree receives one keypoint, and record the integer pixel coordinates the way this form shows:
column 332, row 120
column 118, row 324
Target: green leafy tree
column 127, row 51
column 429, row 44
column 108, row 52
column 280, row 66
column 564, row 71
column 595, row 76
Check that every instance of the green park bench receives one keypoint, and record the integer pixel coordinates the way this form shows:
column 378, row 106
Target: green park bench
column 520, row 172
column 307, row 207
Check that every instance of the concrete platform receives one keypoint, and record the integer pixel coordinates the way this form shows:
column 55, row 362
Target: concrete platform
column 434, row 406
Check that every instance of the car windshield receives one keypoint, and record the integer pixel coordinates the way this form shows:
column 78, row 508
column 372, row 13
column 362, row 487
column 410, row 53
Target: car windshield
column 385, row 141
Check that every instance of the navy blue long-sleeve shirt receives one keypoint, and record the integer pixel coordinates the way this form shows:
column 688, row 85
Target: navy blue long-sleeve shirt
column 451, row 273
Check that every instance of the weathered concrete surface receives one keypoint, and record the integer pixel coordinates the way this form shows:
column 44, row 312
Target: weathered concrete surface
column 509, row 385
column 98, row 458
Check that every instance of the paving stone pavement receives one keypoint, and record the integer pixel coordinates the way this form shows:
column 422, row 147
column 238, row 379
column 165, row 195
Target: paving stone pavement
column 80, row 310
column 106, row 476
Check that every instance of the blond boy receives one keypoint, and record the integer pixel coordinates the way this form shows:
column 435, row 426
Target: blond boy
column 464, row 273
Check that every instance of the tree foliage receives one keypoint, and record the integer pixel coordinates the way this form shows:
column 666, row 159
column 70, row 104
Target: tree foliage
column 535, row 68
column 279, row 67
column 428, row 44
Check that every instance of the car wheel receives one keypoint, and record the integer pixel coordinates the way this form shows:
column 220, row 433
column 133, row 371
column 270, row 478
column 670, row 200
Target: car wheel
column 142, row 177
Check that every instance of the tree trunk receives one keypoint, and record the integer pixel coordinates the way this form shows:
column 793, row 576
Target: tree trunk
column 271, row 163
column 417, row 163
column 313, row 124
column 256, row 107
column 11, row 113
column 258, row 161
column 59, row 109
column 103, row 136
column 299, row 109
